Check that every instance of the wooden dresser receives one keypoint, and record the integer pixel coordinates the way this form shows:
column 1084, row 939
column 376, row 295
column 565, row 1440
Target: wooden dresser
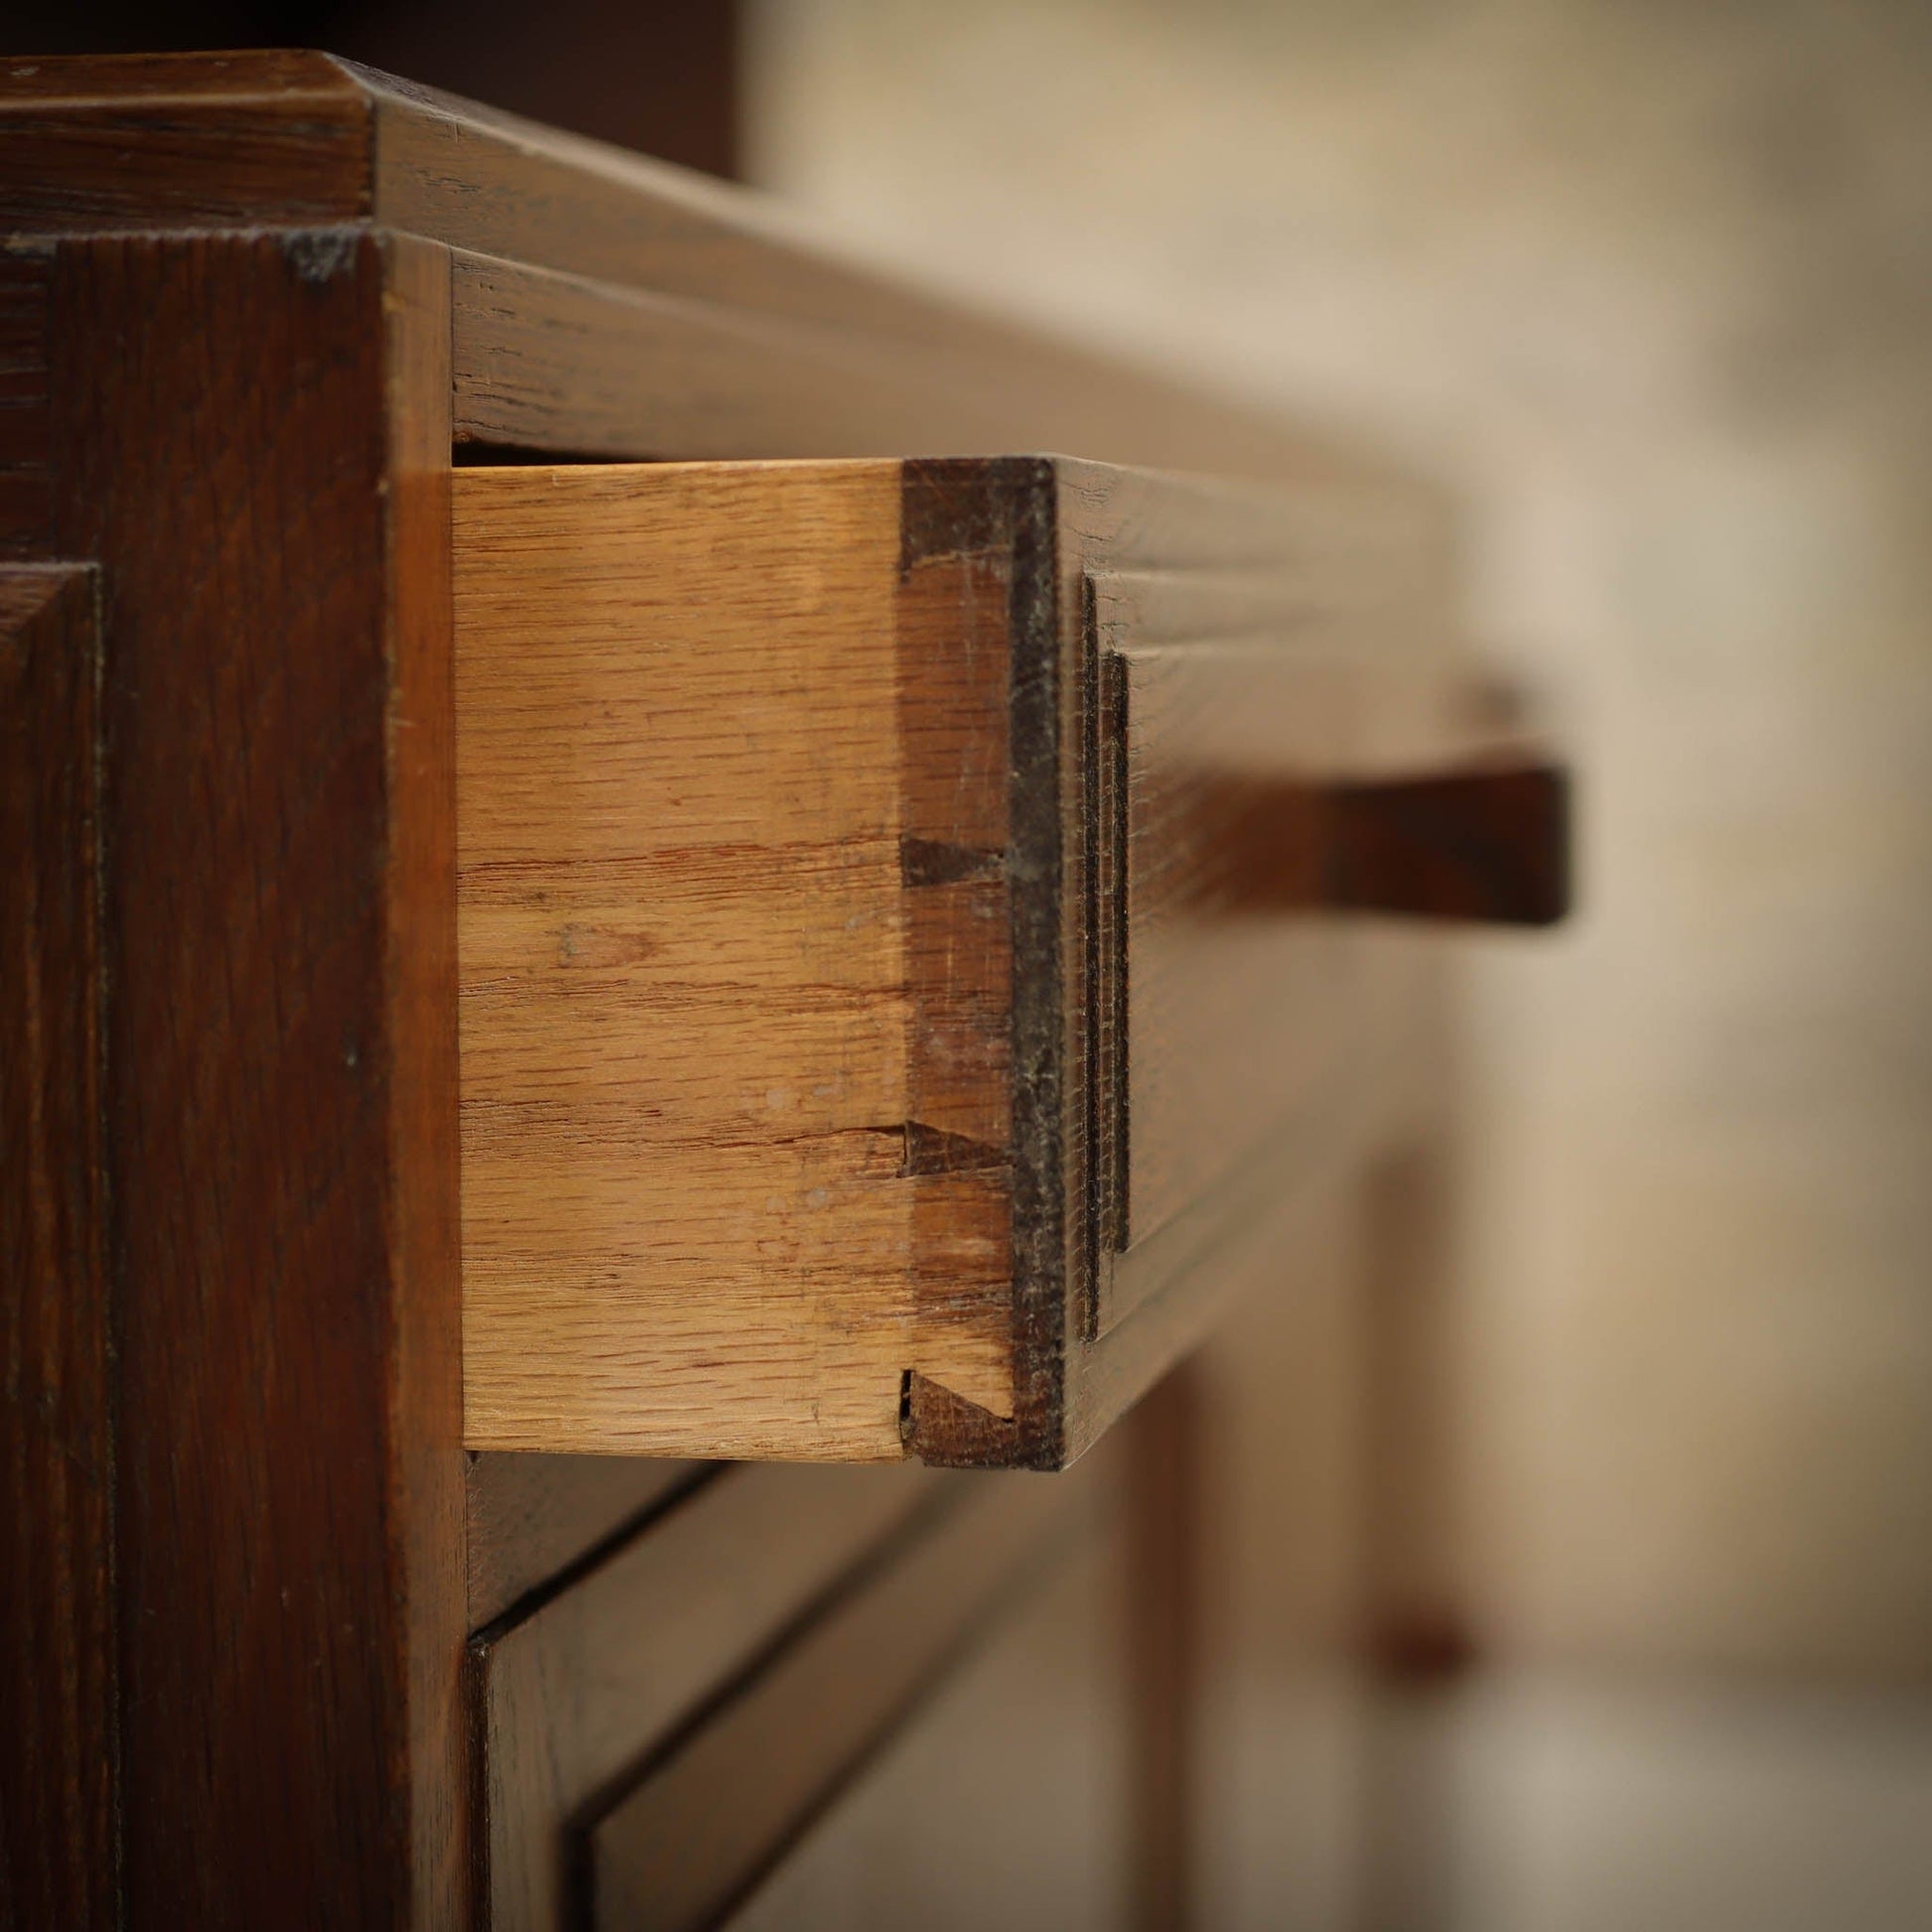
column 646, row 966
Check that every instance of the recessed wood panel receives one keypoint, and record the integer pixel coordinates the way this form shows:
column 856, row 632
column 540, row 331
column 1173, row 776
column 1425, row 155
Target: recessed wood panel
column 1258, row 747
column 1001, row 1803
column 711, row 1814
column 575, row 1695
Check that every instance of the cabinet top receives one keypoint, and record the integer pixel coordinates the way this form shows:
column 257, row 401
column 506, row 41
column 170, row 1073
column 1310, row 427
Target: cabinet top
column 306, row 140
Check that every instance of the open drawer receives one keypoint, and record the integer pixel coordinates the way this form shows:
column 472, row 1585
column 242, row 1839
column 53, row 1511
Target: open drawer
column 909, row 930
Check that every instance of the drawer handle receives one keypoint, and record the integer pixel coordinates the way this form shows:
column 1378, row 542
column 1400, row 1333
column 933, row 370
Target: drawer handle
column 1487, row 846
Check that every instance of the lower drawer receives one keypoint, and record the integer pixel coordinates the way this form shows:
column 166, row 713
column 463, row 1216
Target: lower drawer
column 1004, row 1800
column 1023, row 1700
column 911, row 930
column 658, row 1721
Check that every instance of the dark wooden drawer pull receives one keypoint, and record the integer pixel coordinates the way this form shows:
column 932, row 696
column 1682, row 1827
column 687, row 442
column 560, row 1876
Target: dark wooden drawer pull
column 1489, row 847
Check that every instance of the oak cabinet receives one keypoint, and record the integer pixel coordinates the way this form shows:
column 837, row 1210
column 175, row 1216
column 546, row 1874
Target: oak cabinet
column 594, row 864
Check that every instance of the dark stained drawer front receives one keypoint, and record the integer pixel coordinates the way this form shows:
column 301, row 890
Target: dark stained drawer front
column 660, row 1719
column 577, row 1689
column 1006, row 1798
column 908, row 930
column 709, row 1814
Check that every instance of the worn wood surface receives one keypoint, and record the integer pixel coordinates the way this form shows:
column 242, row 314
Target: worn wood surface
column 1214, row 1084
column 535, row 1520
column 715, row 1194
column 60, row 1856
column 573, row 1698
column 183, row 141
column 279, row 1107
column 711, row 1813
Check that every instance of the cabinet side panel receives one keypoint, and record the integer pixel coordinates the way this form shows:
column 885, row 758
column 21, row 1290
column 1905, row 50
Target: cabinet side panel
column 221, row 422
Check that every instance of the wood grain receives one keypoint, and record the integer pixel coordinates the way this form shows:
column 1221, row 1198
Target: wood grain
column 617, row 225
column 280, row 1095
column 424, row 1366
column 712, row 1811
column 706, row 358
column 183, row 141
column 552, row 361
column 1333, row 764
column 707, row 1061
column 26, row 425
column 573, row 1698
column 60, row 1856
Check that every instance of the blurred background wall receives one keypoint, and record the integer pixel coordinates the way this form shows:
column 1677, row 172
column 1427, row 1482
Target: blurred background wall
column 1652, row 285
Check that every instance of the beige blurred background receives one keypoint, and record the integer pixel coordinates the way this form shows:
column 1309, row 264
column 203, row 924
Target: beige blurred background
column 1651, row 286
